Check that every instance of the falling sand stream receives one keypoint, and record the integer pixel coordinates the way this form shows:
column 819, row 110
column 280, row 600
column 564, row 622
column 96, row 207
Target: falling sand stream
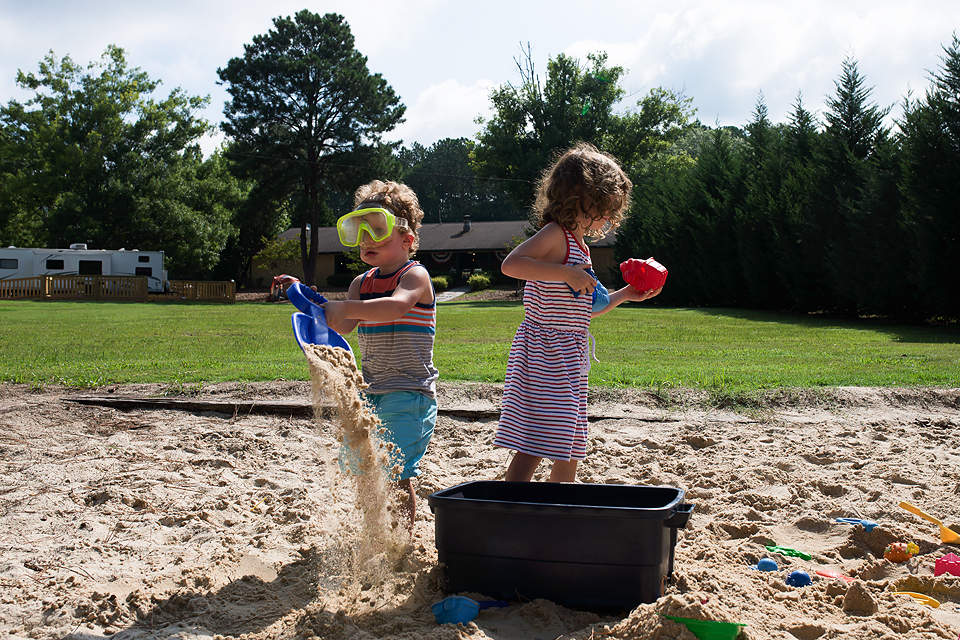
column 364, row 458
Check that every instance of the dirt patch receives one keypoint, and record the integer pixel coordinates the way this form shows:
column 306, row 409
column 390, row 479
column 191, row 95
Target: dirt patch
column 159, row 523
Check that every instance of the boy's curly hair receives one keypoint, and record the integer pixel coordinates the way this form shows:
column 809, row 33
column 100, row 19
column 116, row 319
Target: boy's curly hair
column 399, row 198
column 585, row 176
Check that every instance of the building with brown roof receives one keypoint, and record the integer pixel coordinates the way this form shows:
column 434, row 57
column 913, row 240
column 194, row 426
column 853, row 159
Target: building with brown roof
column 445, row 248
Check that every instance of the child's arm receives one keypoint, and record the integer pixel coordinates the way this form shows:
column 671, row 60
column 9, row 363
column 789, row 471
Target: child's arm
column 344, row 315
column 627, row 294
column 541, row 258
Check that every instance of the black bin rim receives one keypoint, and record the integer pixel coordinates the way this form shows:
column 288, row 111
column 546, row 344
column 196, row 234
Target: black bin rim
column 536, row 496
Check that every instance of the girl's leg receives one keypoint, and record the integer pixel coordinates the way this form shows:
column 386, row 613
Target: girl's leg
column 522, row 467
column 564, row 471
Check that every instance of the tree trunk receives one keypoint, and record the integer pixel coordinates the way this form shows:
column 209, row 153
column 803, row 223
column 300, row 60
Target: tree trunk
column 313, row 217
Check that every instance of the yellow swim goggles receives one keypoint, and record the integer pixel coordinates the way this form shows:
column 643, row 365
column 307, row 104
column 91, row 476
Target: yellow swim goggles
column 377, row 221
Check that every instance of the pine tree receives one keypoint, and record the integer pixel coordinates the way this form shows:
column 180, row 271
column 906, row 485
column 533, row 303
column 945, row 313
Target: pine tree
column 931, row 175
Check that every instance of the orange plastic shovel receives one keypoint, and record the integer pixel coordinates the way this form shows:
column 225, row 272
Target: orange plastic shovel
column 946, row 534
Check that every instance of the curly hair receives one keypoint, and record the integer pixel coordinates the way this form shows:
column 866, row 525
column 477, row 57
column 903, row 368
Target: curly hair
column 583, row 179
column 399, row 198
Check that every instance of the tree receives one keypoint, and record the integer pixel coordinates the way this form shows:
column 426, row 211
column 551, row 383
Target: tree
column 931, row 173
column 533, row 121
column 801, row 240
column 707, row 224
column 759, row 219
column 93, row 158
column 306, row 116
column 660, row 200
column 859, row 225
column 662, row 120
column 447, row 185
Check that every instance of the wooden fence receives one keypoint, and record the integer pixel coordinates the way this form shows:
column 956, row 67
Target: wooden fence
column 223, row 291
column 130, row 288
column 21, row 288
column 59, row 287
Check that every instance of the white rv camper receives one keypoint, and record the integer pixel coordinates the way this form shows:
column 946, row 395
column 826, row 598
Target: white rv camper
column 80, row 261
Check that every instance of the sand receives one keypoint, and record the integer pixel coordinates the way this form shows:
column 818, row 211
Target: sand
column 156, row 523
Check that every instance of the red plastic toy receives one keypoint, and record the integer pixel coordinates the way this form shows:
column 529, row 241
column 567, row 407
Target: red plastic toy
column 949, row 563
column 834, row 574
column 900, row 551
column 643, row 275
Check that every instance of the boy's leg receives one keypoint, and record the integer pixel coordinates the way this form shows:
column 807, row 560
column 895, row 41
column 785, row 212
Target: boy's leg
column 408, row 419
column 564, row 471
column 522, row 467
column 408, row 503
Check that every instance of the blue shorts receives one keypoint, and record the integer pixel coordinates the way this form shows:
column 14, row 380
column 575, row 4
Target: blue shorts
column 407, row 418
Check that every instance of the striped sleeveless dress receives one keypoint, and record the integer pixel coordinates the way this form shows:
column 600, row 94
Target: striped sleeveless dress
column 544, row 409
column 403, row 347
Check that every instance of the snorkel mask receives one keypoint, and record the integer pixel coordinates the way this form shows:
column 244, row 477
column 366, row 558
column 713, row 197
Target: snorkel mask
column 375, row 219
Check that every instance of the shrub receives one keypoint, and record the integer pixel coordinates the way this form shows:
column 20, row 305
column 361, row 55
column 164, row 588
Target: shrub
column 479, row 281
column 440, row 283
column 277, row 252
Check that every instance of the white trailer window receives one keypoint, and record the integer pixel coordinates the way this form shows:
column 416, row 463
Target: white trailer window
column 9, row 263
column 55, row 264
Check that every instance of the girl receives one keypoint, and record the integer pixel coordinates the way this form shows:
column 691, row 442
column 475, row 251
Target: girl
column 544, row 410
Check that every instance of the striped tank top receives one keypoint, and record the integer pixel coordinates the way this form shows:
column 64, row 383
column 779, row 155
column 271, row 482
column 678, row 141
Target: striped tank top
column 397, row 355
column 551, row 304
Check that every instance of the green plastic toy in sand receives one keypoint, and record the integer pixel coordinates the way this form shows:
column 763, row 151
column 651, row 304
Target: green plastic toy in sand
column 787, row 551
column 710, row 629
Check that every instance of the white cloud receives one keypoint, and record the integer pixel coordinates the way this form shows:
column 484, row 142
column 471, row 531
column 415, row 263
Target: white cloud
column 443, row 56
column 724, row 55
column 445, row 110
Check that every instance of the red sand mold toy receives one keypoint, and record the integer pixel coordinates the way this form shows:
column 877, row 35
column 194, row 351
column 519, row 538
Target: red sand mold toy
column 643, row 275
column 949, row 563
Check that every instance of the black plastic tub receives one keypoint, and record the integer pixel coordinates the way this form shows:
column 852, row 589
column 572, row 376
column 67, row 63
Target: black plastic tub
column 586, row 546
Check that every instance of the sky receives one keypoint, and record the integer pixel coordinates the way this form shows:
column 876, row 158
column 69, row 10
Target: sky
column 443, row 57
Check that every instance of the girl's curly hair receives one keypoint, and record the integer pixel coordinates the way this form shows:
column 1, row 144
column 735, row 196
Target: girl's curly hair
column 399, row 198
column 584, row 179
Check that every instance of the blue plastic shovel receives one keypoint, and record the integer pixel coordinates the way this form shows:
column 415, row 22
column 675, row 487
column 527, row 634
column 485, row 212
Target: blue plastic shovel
column 462, row 609
column 867, row 524
column 455, row 609
column 601, row 297
column 310, row 325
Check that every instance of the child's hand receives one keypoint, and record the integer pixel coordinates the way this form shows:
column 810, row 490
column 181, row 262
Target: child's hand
column 579, row 280
column 335, row 311
column 633, row 295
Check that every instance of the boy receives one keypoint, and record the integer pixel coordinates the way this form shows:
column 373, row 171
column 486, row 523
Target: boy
column 394, row 307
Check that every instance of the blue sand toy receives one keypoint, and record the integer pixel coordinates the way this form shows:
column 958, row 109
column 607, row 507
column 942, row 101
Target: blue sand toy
column 310, row 326
column 799, row 579
column 455, row 609
column 303, row 297
column 867, row 524
column 601, row 297
column 767, row 564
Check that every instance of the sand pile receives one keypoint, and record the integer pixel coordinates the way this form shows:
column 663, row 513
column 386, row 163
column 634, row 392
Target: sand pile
column 159, row 523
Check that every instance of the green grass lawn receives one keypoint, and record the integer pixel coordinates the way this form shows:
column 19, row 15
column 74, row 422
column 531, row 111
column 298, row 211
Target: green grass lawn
column 94, row 343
